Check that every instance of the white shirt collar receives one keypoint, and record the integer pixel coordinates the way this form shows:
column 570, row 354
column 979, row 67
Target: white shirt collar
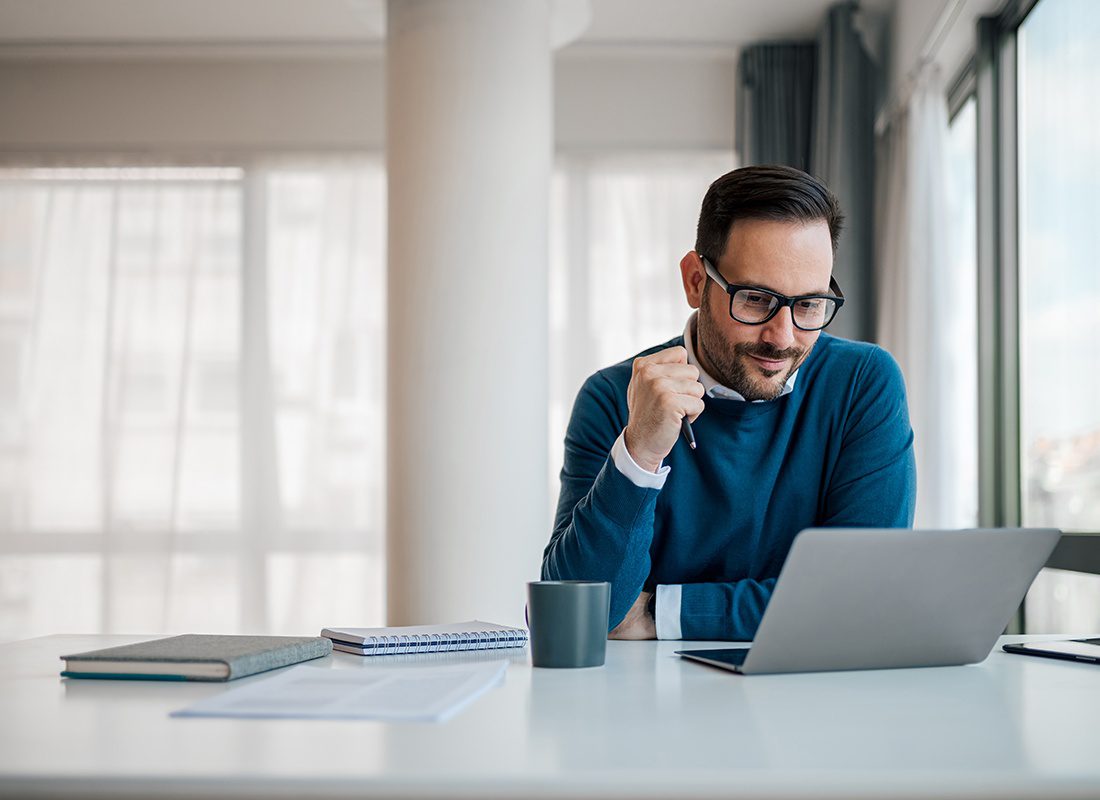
column 712, row 387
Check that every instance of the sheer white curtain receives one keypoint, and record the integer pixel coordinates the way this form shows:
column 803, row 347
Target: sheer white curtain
column 925, row 310
column 190, row 420
column 620, row 225
column 191, row 367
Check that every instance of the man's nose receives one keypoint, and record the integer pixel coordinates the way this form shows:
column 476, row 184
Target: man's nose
column 779, row 330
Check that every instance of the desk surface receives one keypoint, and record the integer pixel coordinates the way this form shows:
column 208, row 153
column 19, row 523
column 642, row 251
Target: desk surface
column 648, row 724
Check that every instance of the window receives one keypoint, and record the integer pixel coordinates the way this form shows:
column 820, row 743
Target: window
column 190, row 373
column 1058, row 105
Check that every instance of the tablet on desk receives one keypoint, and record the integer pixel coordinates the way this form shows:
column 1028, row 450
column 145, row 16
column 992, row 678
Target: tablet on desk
column 1070, row 650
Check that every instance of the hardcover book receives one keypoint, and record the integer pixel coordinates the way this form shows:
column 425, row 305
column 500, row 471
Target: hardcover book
column 195, row 657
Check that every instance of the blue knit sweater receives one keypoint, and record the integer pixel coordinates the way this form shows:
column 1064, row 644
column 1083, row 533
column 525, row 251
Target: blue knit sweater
column 836, row 451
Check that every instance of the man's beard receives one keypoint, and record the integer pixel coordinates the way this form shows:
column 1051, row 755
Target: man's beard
column 730, row 365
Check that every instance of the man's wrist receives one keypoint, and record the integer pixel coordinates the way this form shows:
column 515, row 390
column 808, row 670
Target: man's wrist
column 642, row 461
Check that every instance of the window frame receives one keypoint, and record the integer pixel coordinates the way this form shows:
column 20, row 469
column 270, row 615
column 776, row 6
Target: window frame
column 991, row 77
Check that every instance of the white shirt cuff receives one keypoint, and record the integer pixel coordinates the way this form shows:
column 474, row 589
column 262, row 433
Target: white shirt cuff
column 626, row 464
column 667, row 612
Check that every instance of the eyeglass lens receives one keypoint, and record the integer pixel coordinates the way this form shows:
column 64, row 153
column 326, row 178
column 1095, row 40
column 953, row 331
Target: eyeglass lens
column 755, row 307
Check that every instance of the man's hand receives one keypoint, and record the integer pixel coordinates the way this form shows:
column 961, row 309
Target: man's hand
column 638, row 622
column 663, row 390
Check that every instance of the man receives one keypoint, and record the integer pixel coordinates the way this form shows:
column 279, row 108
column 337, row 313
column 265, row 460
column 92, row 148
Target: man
column 794, row 428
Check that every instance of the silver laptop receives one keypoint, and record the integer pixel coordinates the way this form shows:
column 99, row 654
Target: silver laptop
column 871, row 598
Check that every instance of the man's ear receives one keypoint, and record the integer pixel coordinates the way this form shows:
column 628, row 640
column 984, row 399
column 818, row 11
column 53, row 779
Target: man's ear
column 694, row 278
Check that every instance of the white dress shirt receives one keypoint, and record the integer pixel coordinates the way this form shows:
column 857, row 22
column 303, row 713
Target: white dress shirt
column 667, row 612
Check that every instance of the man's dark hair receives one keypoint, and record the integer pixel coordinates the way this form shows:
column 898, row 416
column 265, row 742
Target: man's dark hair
column 770, row 191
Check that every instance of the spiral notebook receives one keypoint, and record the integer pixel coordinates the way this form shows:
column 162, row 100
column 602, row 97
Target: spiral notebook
column 472, row 635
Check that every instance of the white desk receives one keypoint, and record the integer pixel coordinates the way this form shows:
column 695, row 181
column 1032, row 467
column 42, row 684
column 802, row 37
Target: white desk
column 646, row 725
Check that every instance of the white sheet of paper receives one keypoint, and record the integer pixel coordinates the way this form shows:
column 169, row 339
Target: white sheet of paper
column 412, row 694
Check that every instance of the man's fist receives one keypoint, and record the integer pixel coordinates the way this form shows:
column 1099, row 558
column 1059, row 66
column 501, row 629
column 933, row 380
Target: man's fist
column 663, row 390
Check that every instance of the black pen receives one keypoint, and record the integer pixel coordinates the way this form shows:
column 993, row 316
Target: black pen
column 687, row 432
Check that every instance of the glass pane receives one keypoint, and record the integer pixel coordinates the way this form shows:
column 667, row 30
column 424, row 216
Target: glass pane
column 176, row 593
column 309, row 591
column 326, row 282
column 962, row 179
column 40, row 595
column 1059, row 172
column 1064, row 602
column 1059, row 108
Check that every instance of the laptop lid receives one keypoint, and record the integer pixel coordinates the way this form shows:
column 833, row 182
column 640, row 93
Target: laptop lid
column 872, row 598
column 730, row 658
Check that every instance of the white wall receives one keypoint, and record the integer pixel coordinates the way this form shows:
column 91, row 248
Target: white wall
column 607, row 98
column 654, row 98
column 190, row 104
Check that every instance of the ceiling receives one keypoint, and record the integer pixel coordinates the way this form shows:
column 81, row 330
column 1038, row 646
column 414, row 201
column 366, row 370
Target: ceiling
column 262, row 22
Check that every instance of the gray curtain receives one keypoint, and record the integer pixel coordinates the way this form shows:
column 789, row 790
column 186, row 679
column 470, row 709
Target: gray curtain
column 774, row 104
column 812, row 106
column 843, row 156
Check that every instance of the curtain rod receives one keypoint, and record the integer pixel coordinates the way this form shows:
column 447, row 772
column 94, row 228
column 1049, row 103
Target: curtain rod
column 944, row 24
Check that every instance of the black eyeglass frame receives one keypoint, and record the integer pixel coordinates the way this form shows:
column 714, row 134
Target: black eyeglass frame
column 784, row 302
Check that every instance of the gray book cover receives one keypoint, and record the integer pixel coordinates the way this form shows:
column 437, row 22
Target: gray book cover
column 197, row 657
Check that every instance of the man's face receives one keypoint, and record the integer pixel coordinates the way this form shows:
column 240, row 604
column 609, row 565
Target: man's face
column 791, row 258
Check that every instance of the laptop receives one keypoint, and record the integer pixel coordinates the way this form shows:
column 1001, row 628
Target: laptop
column 880, row 598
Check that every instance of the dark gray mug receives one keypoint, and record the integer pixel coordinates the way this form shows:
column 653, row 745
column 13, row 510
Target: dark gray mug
column 568, row 622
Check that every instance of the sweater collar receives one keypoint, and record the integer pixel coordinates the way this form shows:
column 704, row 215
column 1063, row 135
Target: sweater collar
column 712, row 387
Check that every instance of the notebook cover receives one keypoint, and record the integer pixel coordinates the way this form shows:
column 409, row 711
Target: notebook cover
column 243, row 655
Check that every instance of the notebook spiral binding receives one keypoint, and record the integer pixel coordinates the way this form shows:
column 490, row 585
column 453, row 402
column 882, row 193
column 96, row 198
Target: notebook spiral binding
column 443, row 642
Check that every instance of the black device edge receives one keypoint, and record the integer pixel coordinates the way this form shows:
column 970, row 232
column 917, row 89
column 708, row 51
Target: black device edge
column 1022, row 649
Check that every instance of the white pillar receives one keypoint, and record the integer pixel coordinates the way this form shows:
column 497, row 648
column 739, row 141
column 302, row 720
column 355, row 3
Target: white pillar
column 469, row 146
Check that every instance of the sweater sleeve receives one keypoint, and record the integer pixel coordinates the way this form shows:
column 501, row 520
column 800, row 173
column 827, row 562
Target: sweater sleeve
column 874, row 480
column 604, row 523
column 723, row 611
column 873, row 485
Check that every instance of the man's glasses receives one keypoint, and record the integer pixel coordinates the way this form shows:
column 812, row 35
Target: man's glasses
column 753, row 306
